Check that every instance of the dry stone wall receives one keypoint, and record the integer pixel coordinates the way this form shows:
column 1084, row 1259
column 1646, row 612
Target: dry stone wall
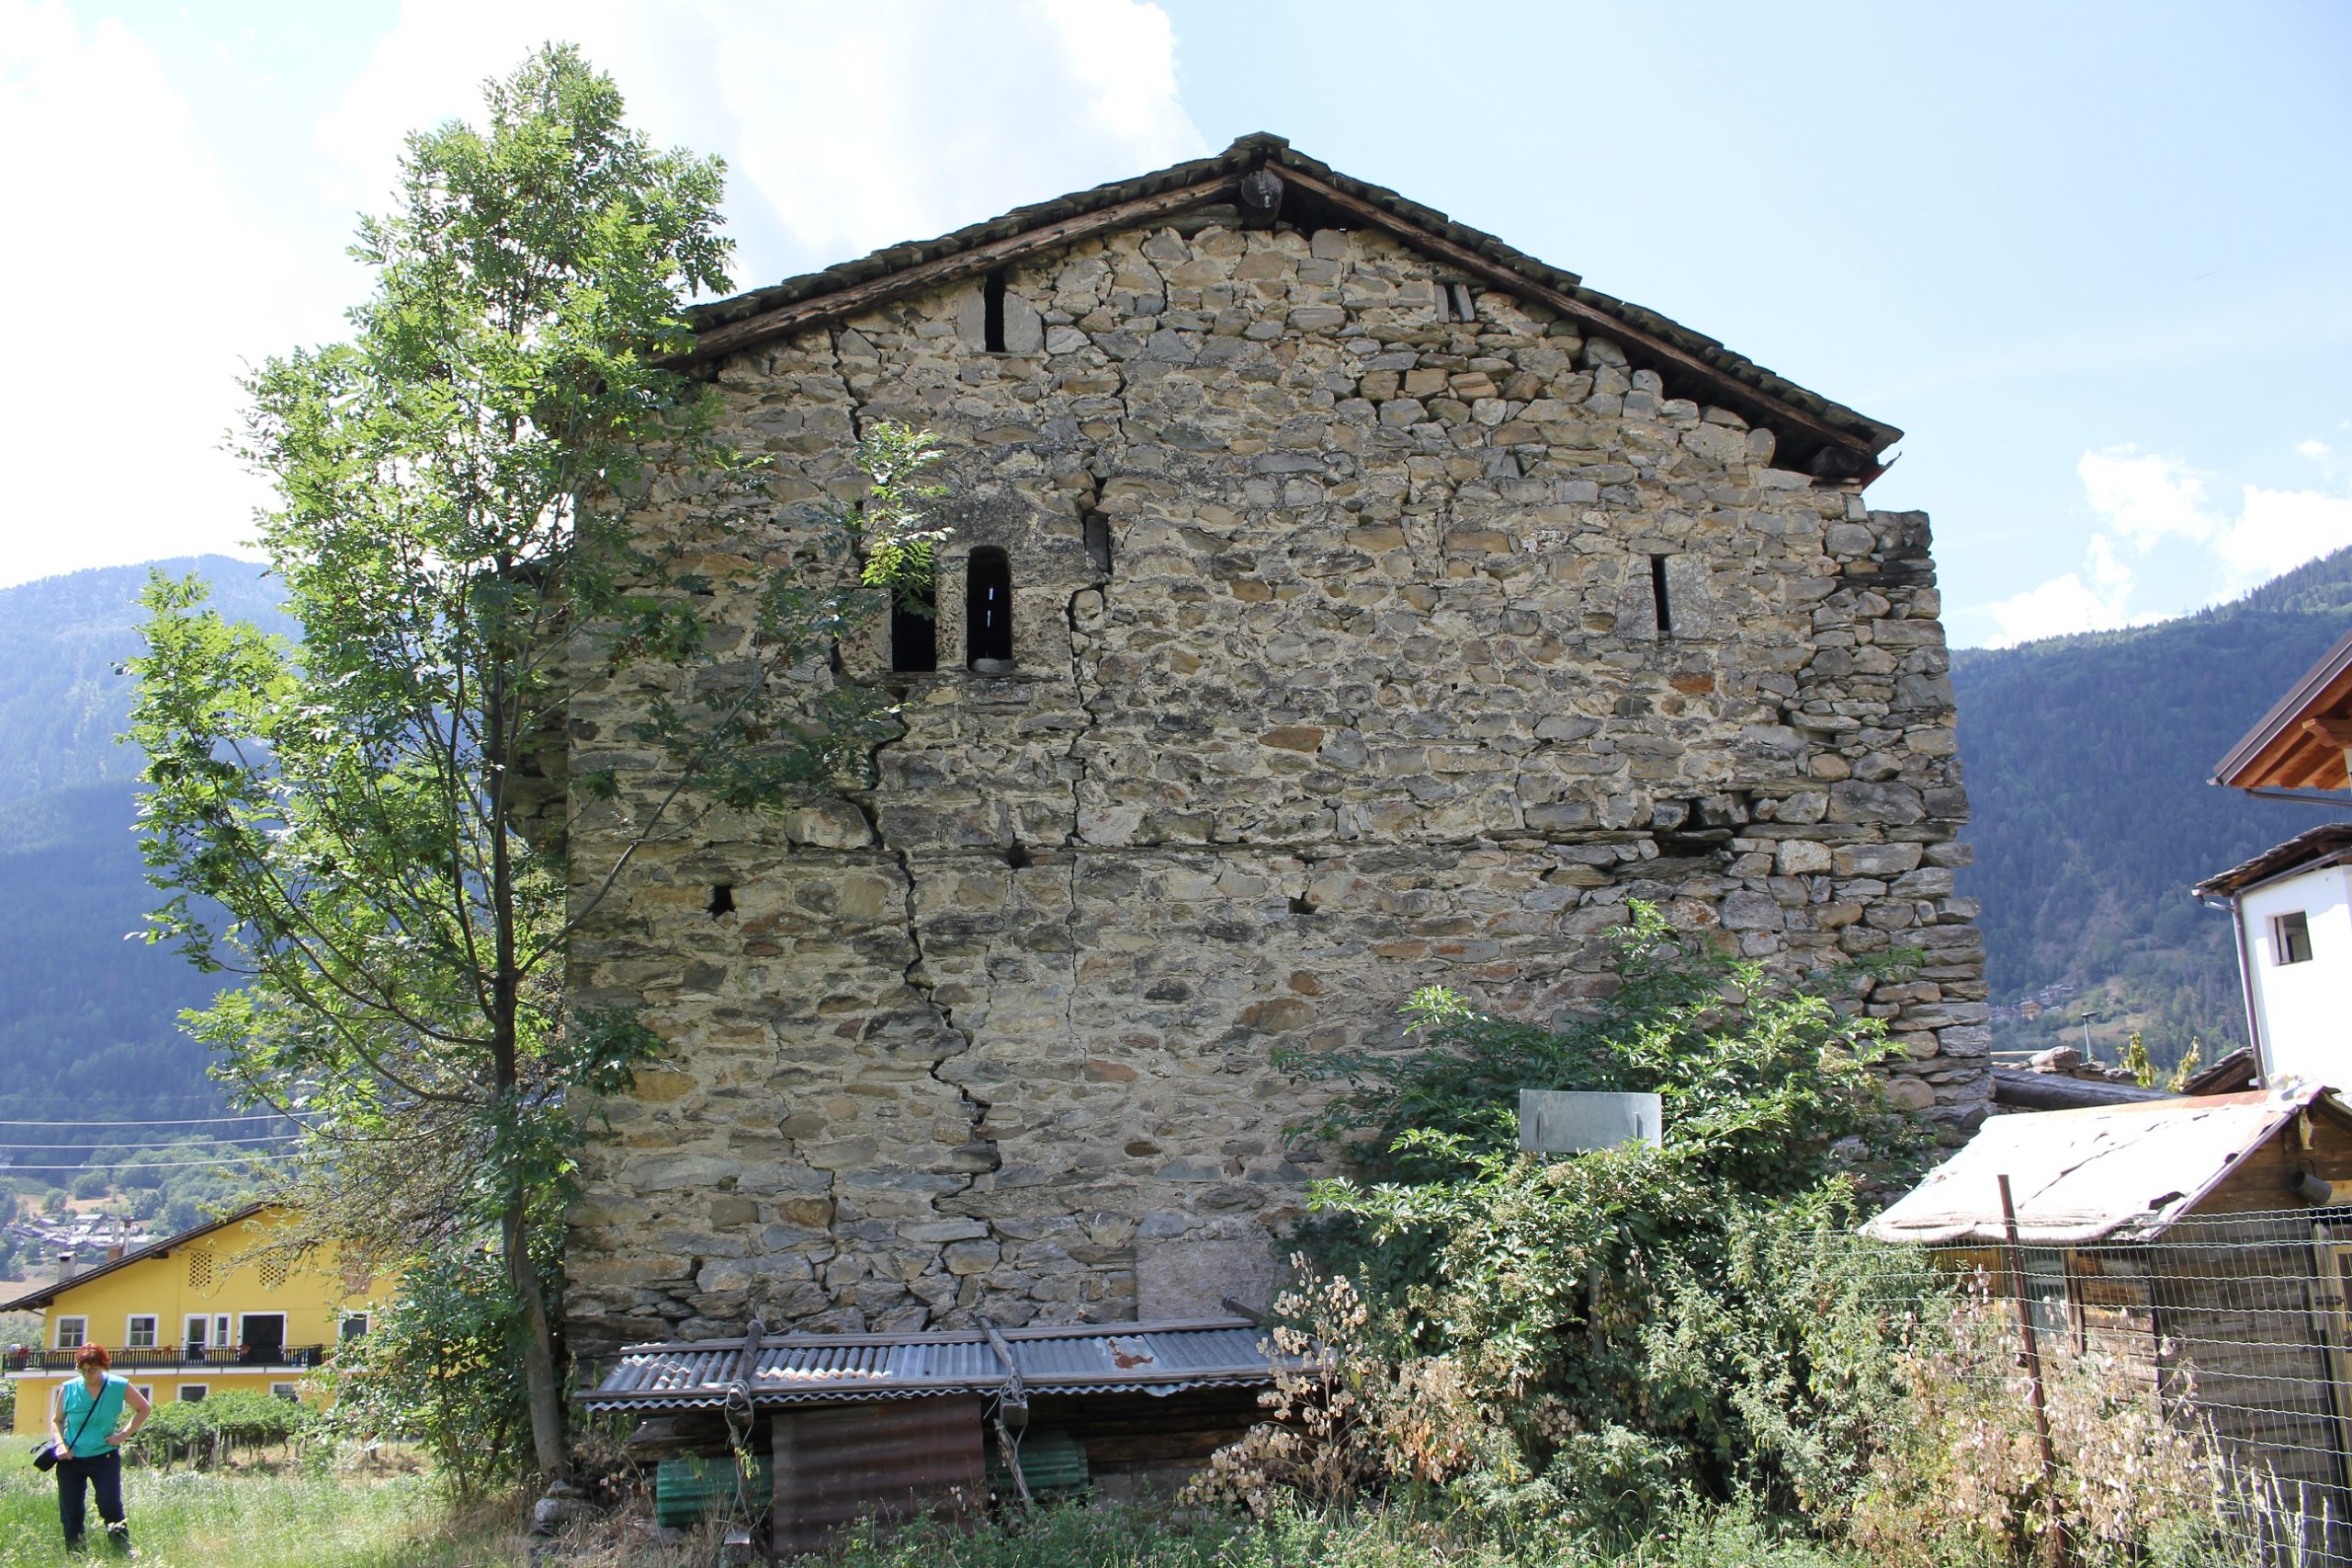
column 1375, row 690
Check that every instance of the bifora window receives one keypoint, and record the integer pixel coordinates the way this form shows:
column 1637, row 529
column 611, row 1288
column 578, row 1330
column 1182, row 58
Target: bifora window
column 2290, row 938
column 73, row 1333
column 139, row 1332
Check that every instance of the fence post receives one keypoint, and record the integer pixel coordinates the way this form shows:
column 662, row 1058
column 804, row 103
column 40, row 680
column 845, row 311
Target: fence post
column 2032, row 1358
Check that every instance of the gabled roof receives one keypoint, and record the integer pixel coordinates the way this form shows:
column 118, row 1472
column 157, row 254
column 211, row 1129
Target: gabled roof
column 2113, row 1173
column 37, row 1300
column 2310, row 847
column 1814, row 434
column 2290, row 747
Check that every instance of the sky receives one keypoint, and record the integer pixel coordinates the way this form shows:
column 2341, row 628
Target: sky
column 2096, row 259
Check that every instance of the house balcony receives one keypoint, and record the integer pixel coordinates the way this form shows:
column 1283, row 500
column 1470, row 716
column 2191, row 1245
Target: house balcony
column 175, row 1358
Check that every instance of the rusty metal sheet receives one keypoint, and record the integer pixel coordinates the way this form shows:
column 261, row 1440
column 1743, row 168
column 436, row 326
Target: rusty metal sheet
column 889, row 1460
column 2120, row 1173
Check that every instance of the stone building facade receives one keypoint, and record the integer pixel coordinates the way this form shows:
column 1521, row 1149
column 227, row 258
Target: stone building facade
column 1386, row 609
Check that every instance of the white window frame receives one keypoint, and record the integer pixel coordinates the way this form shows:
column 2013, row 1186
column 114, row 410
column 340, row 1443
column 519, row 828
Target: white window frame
column 2282, row 937
column 81, row 1323
column 196, row 1332
column 130, row 1331
column 343, row 1334
column 194, row 1393
column 224, row 1335
column 285, row 1391
column 146, row 1392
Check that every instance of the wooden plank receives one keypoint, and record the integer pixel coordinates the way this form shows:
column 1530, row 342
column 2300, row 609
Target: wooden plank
column 2335, row 732
column 888, row 1459
column 1622, row 332
column 2330, row 1329
column 769, row 325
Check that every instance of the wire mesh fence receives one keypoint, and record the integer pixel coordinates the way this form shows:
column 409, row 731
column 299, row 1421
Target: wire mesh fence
column 2214, row 1358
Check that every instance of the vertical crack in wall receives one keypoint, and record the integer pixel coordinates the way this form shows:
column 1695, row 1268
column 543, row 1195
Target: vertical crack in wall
column 1077, row 752
column 950, row 1041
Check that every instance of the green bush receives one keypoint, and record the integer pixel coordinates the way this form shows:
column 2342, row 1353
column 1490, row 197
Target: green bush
column 1649, row 1324
column 443, row 1365
column 207, row 1431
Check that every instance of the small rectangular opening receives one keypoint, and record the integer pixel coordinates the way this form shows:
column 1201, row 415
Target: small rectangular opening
column 1657, row 596
column 914, row 630
column 194, row 1393
column 2290, row 938
column 992, row 312
column 1098, row 542
column 988, row 611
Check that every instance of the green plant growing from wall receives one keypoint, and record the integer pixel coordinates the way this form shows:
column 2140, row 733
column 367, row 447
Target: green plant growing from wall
column 450, row 532
column 1648, row 1324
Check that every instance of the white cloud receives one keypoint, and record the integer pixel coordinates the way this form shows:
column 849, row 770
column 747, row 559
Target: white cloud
column 2066, row 605
column 2145, row 500
column 137, row 282
column 2278, row 530
column 147, row 274
column 2144, row 497
column 844, row 127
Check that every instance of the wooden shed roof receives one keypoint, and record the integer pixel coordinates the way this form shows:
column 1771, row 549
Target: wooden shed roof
column 2300, row 742
column 2111, row 1173
column 1813, row 433
column 2312, row 846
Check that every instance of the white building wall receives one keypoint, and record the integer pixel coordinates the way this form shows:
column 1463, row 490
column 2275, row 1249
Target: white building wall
column 2304, row 1011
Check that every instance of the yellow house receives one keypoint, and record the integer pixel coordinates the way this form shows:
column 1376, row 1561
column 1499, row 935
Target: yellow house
column 201, row 1312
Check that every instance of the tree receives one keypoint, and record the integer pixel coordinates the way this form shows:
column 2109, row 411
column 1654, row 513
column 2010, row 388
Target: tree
column 369, row 805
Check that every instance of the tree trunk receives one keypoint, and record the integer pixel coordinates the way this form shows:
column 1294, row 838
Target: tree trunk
column 549, row 1439
column 549, row 1444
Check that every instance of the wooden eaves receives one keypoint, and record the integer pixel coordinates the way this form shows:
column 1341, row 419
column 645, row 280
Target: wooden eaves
column 1833, row 442
column 39, row 1300
column 2301, row 742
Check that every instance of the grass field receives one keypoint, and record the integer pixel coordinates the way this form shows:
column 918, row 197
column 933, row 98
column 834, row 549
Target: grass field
column 253, row 1518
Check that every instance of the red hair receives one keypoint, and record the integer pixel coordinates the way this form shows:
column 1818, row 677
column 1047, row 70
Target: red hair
column 92, row 1356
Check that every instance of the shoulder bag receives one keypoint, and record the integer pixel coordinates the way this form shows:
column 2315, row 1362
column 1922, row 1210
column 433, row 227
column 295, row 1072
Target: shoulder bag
column 46, row 1457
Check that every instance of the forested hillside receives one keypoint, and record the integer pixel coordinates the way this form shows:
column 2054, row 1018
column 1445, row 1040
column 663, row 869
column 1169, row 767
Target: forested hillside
column 2086, row 760
column 87, row 1026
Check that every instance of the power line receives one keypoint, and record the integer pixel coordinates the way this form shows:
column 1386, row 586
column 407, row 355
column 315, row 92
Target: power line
column 7, row 1170
column 186, row 1122
column 258, row 1138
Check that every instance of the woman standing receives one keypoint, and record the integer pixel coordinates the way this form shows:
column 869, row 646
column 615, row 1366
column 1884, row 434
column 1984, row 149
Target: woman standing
column 85, row 1431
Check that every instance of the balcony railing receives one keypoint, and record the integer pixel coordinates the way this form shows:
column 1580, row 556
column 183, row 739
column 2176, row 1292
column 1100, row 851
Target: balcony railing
column 174, row 1358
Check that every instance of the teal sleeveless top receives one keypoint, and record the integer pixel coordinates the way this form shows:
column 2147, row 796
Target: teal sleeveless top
column 78, row 1400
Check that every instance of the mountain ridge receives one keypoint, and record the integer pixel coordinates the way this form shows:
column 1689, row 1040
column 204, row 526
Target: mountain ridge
column 2087, row 759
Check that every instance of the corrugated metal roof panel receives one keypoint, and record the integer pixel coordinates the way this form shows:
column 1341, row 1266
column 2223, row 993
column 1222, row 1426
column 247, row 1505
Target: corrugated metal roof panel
column 2115, row 1173
column 1074, row 1358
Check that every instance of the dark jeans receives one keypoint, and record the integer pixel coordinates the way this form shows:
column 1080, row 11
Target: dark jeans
column 104, row 1475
